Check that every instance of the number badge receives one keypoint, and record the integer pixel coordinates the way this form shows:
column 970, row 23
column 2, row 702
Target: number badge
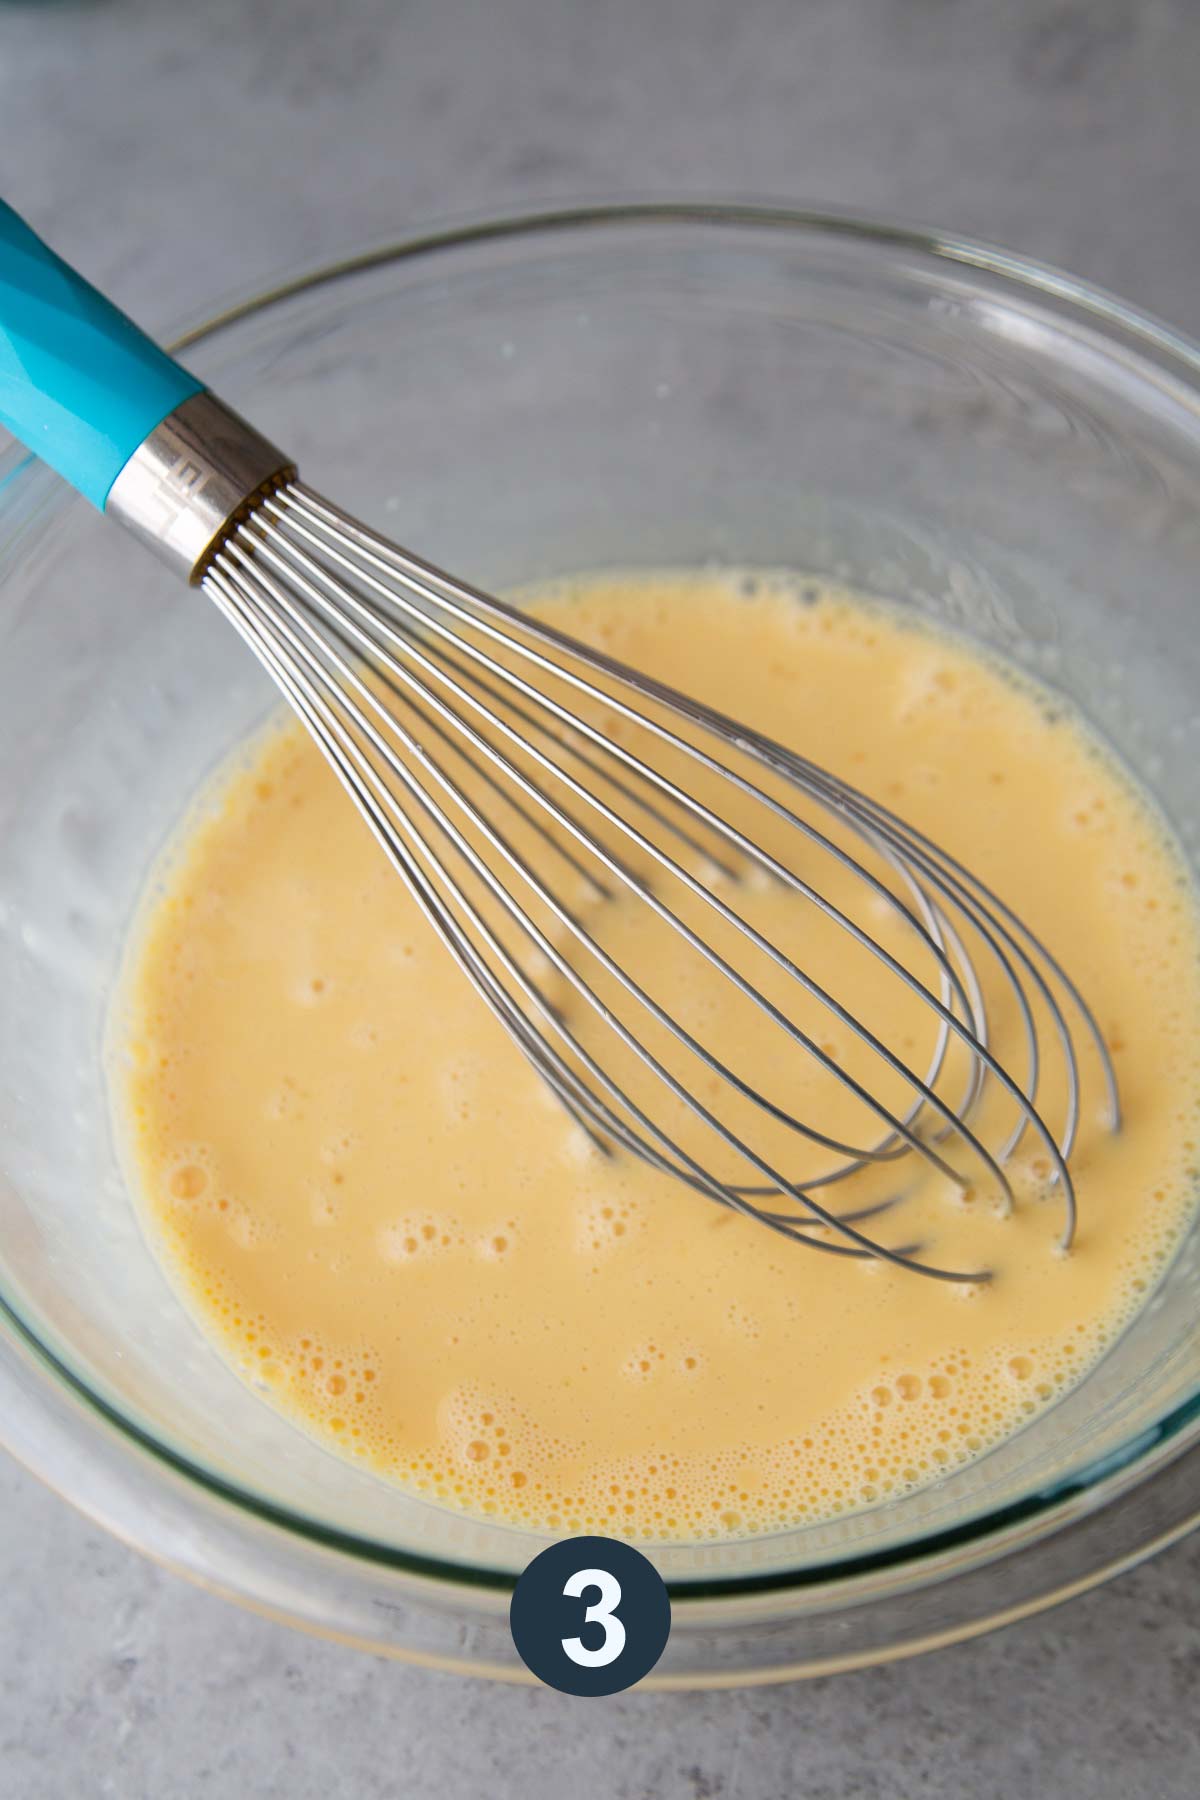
column 590, row 1616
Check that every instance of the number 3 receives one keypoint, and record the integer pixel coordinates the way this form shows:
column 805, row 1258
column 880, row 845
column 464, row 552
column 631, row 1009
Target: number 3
column 602, row 1613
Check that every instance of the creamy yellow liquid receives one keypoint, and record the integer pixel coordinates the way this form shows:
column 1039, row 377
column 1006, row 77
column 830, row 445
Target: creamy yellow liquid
column 377, row 1211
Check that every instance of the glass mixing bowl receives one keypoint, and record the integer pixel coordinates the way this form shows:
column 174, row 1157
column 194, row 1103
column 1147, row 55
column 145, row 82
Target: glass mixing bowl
column 989, row 442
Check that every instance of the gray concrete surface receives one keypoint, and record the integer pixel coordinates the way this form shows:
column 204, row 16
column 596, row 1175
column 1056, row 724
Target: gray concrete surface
column 181, row 153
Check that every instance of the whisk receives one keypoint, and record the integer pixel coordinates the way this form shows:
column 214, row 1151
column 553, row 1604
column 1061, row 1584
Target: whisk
column 544, row 802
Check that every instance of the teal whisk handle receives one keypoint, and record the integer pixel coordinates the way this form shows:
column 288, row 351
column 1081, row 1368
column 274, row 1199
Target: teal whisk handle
column 87, row 391
column 80, row 384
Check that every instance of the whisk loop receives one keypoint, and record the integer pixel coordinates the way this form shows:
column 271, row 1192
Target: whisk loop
column 528, row 787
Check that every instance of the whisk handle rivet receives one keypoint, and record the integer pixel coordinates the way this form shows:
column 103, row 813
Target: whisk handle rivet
column 192, row 479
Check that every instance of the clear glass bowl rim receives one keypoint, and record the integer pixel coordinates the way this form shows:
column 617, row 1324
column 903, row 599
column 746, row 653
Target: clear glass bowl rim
column 1150, row 1458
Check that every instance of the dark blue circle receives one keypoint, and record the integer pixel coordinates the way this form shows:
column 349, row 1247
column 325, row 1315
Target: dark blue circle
column 556, row 1640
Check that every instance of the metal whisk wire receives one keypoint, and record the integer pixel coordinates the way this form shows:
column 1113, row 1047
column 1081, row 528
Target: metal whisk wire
column 400, row 671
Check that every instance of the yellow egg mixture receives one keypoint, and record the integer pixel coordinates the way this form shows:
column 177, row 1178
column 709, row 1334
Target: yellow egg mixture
column 380, row 1215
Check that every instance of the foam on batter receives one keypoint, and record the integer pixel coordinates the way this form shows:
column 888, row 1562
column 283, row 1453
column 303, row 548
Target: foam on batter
column 377, row 1212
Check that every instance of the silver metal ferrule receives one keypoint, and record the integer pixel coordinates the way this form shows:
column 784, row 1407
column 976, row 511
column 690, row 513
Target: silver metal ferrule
column 195, row 475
